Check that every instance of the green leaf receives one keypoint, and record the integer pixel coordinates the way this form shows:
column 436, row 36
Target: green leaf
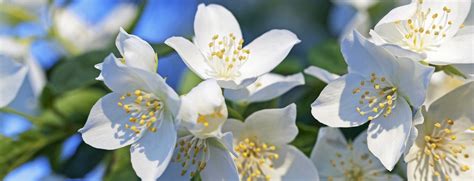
column 76, row 72
column 328, row 56
column 449, row 70
column 85, row 159
column 234, row 114
column 120, row 167
column 14, row 152
column 78, row 103
column 189, row 81
column 290, row 65
column 13, row 14
column 306, row 137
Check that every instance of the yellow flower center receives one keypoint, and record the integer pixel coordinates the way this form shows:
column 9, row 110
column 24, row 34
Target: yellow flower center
column 426, row 30
column 143, row 109
column 443, row 150
column 226, row 56
column 377, row 97
column 192, row 153
column 253, row 156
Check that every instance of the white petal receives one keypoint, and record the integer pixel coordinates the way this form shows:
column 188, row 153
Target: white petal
column 211, row 20
column 237, row 83
column 124, row 79
column 204, row 100
column 454, row 105
column 321, row 74
column 12, row 75
column 266, row 87
column 26, row 100
column 36, row 75
column 329, row 143
column 235, row 127
column 387, row 137
column 411, row 79
column 136, row 52
column 220, row 166
column 459, row 11
column 360, row 22
column 336, row 104
column 191, row 55
column 267, row 51
column 364, row 57
column 292, row 165
column 105, row 126
column 152, row 153
column 386, row 27
column 274, row 126
column 456, row 50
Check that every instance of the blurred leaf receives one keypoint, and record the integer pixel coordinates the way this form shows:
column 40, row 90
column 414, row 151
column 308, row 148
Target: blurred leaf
column 13, row 14
column 78, row 103
column 189, row 81
column 306, row 137
column 449, row 70
column 76, row 72
column 328, row 56
column 119, row 166
column 15, row 152
column 85, row 159
column 290, row 65
column 234, row 114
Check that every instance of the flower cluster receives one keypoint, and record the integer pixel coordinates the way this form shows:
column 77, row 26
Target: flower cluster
column 386, row 92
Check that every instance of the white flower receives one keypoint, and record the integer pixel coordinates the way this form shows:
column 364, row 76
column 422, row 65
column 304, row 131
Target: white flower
column 263, row 150
column 219, row 53
column 378, row 88
column 202, row 148
column 431, row 29
column 360, row 5
column 266, row 87
column 86, row 36
column 444, row 148
column 361, row 20
column 441, row 84
column 141, row 111
column 336, row 159
column 321, row 74
column 21, row 77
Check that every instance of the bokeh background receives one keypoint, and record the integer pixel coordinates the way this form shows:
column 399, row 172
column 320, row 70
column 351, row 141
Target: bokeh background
column 69, row 36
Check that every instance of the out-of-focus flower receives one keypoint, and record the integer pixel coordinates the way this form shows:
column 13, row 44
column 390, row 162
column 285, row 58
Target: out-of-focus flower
column 263, row 150
column 430, row 29
column 361, row 20
column 444, row 148
column 266, row 87
column 378, row 88
column 21, row 77
column 80, row 35
column 218, row 51
column 202, row 148
column 141, row 111
column 336, row 159
column 321, row 74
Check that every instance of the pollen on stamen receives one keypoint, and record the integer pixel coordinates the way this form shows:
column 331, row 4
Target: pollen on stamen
column 142, row 109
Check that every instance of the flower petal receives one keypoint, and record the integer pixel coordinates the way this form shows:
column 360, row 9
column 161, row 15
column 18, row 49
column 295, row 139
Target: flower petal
column 220, row 165
column 152, row 153
column 336, row 104
column 191, row 55
column 459, row 11
column 267, row 51
column 394, row 129
column 124, row 79
column 235, row 127
column 12, row 75
column 386, row 27
column 211, row 20
column 330, row 141
column 321, row 74
column 456, row 50
column 292, row 165
column 136, row 52
column 266, row 87
column 275, row 126
column 412, row 80
column 205, row 101
column 454, row 105
column 105, row 126
column 237, row 83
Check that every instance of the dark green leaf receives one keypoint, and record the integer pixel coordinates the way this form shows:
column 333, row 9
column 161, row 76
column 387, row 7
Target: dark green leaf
column 119, row 166
column 306, row 137
column 328, row 56
column 85, row 159
column 189, row 81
